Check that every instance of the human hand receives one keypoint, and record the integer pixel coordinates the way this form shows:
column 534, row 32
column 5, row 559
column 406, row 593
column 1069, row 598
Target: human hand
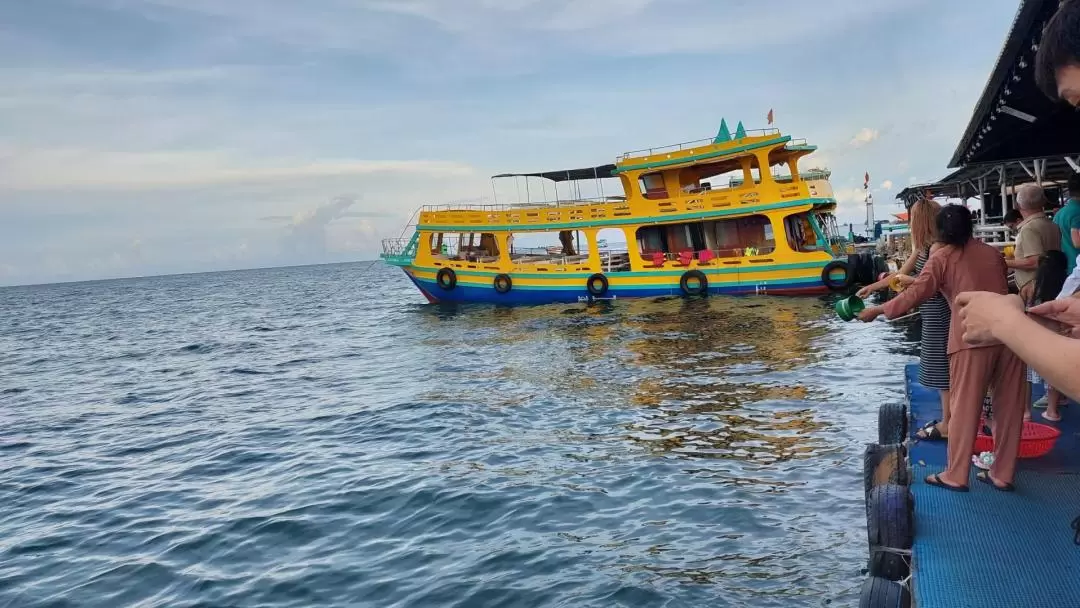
column 981, row 312
column 870, row 314
column 865, row 292
column 1066, row 312
column 905, row 279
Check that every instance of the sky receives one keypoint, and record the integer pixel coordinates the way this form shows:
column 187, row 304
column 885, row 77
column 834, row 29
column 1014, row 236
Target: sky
column 142, row 137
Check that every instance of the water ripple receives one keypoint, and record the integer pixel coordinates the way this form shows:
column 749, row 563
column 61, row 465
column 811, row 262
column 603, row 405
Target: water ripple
column 318, row 436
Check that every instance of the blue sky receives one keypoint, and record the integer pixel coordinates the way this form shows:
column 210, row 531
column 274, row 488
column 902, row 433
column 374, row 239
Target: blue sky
column 155, row 136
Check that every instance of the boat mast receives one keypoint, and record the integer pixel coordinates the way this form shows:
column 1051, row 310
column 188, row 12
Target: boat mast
column 869, row 200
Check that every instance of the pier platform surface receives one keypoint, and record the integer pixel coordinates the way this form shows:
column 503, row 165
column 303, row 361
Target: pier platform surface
column 990, row 548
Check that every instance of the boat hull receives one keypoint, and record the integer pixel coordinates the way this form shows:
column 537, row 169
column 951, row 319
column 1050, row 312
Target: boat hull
column 540, row 291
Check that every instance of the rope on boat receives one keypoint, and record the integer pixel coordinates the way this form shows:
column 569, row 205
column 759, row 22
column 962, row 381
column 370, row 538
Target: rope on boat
column 916, row 313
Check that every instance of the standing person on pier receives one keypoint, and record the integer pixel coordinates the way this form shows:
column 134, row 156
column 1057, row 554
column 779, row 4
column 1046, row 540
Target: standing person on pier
column 935, row 315
column 966, row 264
column 1036, row 236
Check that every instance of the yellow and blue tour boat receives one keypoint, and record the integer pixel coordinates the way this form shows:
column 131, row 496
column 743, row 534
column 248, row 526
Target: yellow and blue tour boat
column 732, row 214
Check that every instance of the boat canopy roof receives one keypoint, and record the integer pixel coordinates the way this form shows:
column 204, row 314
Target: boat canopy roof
column 567, row 175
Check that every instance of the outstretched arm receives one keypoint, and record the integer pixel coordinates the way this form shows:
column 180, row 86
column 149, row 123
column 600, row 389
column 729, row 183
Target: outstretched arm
column 990, row 318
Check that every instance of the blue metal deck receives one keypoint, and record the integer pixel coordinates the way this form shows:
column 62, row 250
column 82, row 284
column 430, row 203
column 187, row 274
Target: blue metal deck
column 990, row 548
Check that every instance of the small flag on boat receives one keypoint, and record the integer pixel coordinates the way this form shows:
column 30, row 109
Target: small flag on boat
column 866, row 181
column 770, row 117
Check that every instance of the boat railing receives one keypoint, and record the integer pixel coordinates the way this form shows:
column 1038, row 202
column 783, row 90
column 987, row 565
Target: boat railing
column 395, row 247
column 806, row 176
column 995, row 236
column 518, row 206
column 615, row 260
column 691, row 144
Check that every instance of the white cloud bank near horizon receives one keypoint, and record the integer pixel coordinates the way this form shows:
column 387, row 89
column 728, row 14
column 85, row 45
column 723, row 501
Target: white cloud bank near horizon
column 153, row 136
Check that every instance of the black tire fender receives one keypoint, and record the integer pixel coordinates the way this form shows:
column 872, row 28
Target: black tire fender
column 879, row 592
column 884, row 464
column 446, row 279
column 892, row 423
column 597, row 284
column 503, row 283
column 702, row 286
column 890, row 525
column 834, row 284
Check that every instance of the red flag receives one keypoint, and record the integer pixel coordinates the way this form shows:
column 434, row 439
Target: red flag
column 770, row 117
column 866, row 183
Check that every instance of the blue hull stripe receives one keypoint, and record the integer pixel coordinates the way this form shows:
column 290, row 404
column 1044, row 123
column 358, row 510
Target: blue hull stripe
column 519, row 295
column 709, row 271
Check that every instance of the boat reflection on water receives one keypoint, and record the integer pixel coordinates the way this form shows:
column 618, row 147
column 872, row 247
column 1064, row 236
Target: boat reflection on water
column 670, row 442
column 711, row 378
column 725, row 390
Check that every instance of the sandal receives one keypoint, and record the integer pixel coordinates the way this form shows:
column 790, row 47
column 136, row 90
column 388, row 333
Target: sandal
column 930, row 432
column 935, row 480
column 984, row 477
column 1051, row 418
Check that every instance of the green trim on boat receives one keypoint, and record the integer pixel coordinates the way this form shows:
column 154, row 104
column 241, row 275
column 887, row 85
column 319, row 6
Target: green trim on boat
column 707, row 155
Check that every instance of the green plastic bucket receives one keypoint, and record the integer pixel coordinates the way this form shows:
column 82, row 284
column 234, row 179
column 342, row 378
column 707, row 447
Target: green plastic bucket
column 849, row 308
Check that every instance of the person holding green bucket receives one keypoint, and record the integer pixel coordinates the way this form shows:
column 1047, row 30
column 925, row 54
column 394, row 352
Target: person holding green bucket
column 966, row 264
column 849, row 307
column 934, row 313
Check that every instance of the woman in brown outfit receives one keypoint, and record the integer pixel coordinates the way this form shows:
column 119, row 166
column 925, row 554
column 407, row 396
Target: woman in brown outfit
column 966, row 264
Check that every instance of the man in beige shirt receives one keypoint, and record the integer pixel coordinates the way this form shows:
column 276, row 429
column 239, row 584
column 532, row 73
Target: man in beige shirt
column 1036, row 235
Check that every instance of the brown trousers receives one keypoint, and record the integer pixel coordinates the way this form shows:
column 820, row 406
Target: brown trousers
column 972, row 372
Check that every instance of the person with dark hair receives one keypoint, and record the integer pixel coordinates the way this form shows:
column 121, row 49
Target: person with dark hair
column 967, row 264
column 1057, row 63
column 1012, row 219
column 1049, row 281
column 934, row 313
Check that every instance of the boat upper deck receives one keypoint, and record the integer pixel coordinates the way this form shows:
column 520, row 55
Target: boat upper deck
column 758, row 172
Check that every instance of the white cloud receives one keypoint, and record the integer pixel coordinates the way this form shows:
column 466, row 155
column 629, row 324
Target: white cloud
column 864, row 136
column 72, row 168
column 887, row 184
column 490, row 29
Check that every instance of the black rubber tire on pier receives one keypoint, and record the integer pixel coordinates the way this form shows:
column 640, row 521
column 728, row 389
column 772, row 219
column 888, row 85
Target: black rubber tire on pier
column 890, row 525
column 702, row 283
column 862, row 268
column 892, row 423
column 597, row 285
column 884, row 464
column 878, row 592
column 446, row 279
column 855, row 264
column 503, row 283
column 881, row 266
column 833, row 284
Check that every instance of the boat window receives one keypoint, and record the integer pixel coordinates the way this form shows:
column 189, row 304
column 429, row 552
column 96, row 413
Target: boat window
column 736, row 237
column 802, row 235
column 742, row 236
column 614, row 252
column 556, row 247
column 780, row 161
column 468, row 246
column 727, row 173
column 652, row 186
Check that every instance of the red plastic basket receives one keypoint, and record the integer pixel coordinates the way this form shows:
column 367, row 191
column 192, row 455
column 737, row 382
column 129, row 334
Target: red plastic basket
column 1037, row 440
